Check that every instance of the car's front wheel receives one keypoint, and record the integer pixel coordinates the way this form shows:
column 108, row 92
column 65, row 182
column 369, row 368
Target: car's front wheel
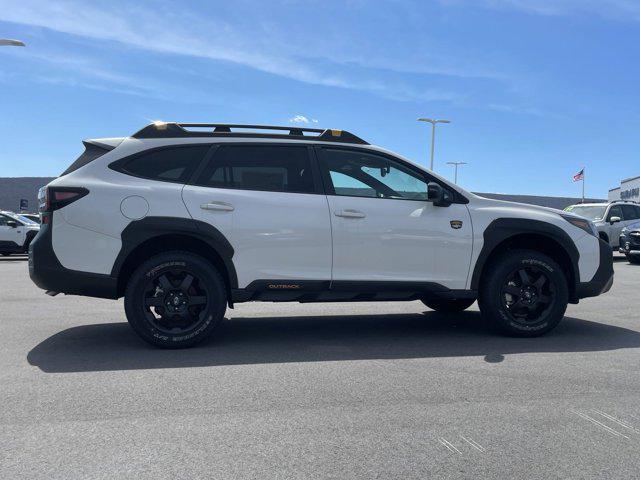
column 524, row 293
column 175, row 299
column 449, row 305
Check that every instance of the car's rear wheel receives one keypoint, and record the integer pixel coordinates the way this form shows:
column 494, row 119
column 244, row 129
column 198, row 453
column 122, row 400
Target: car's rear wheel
column 175, row 300
column 524, row 293
column 449, row 305
column 635, row 259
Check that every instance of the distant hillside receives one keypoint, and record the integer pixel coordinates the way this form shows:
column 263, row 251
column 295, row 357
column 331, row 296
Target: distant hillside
column 553, row 202
column 13, row 189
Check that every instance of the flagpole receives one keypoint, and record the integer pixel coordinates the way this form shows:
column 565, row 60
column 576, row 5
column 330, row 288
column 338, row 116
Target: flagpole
column 584, row 171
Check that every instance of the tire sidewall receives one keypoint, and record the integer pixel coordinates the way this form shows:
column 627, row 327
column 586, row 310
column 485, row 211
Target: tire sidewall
column 135, row 310
column 495, row 310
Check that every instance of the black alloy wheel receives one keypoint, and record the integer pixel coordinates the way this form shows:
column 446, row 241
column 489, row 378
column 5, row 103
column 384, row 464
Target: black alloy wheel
column 175, row 299
column 523, row 293
column 528, row 294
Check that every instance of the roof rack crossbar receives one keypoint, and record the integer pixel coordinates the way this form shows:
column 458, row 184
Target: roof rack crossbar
column 173, row 129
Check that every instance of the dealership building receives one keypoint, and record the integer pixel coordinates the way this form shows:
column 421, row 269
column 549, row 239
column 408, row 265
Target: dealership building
column 629, row 189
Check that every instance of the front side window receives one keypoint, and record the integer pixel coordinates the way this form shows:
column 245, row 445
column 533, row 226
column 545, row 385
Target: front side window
column 271, row 168
column 174, row 164
column 3, row 220
column 362, row 174
column 615, row 211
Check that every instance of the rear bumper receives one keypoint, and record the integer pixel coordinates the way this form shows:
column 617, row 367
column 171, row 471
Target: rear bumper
column 603, row 278
column 47, row 273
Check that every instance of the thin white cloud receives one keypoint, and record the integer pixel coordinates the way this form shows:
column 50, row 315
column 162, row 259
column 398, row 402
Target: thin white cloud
column 614, row 9
column 183, row 33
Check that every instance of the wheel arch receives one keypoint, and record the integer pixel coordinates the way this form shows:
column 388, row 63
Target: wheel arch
column 145, row 238
column 512, row 233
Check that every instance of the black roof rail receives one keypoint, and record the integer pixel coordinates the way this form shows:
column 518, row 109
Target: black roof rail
column 623, row 201
column 181, row 130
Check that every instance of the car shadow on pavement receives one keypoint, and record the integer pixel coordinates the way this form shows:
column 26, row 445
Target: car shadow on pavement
column 242, row 341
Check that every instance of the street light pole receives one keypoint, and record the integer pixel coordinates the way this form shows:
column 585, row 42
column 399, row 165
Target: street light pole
column 455, row 175
column 433, row 123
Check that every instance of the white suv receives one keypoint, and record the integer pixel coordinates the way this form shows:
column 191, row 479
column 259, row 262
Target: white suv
column 609, row 218
column 16, row 233
column 184, row 220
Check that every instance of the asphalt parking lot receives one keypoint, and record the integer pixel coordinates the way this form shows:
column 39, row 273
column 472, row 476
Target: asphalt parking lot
column 386, row 390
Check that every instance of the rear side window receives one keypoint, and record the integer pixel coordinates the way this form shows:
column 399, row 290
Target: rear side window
column 271, row 168
column 630, row 212
column 174, row 164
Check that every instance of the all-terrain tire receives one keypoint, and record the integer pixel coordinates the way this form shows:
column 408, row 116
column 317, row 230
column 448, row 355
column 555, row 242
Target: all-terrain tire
column 175, row 299
column 523, row 293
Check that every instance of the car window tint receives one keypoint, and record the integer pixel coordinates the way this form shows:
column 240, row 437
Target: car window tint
column 615, row 211
column 273, row 168
column 3, row 220
column 629, row 212
column 363, row 174
column 167, row 164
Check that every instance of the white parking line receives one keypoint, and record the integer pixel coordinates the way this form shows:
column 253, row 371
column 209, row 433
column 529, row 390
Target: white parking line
column 450, row 446
column 599, row 424
column 473, row 443
column 615, row 420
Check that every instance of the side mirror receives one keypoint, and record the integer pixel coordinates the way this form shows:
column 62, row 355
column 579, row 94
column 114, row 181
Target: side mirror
column 613, row 220
column 437, row 195
column 12, row 224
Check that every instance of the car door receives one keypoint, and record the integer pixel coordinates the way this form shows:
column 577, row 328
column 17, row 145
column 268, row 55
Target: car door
column 267, row 200
column 384, row 229
column 11, row 237
column 615, row 228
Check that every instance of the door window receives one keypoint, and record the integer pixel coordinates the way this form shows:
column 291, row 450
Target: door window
column 3, row 220
column 615, row 211
column 630, row 212
column 260, row 167
column 362, row 174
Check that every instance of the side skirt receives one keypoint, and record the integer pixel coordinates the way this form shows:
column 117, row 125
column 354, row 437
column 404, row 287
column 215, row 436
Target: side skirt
column 307, row 291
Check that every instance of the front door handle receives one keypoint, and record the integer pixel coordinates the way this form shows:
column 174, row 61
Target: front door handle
column 348, row 213
column 221, row 206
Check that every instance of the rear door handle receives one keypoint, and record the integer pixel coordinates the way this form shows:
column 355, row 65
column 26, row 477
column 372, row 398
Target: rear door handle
column 221, row 206
column 348, row 213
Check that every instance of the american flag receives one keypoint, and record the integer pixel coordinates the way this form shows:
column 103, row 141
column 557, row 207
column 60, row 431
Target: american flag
column 579, row 176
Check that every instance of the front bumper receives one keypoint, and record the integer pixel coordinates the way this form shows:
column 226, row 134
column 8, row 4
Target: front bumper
column 629, row 244
column 47, row 273
column 603, row 278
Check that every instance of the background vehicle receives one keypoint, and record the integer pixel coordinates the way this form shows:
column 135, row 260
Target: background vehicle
column 630, row 242
column 16, row 233
column 609, row 218
column 185, row 219
column 34, row 217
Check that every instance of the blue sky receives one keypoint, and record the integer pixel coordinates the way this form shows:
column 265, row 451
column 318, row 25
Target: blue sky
column 534, row 89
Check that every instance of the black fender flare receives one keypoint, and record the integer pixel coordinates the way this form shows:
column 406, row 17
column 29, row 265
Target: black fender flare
column 139, row 231
column 502, row 229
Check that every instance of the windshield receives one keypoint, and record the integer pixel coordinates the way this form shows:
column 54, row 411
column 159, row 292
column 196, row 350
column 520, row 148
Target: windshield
column 27, row 220
column 24, row 220
column 592, row 212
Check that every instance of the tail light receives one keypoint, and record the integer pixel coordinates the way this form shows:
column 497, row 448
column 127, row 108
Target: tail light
column 54, row 198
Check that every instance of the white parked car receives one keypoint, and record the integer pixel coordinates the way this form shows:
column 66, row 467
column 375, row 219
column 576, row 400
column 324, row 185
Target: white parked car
column 609, row 218
column 184, row 220
column 16, row 233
